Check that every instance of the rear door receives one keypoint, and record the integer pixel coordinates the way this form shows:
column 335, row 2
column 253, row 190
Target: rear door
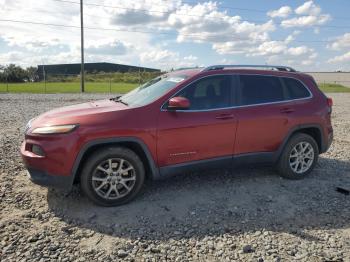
column 264, row 114
column 206, row 130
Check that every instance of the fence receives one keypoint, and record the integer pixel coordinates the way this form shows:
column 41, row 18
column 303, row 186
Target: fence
column 94, row 83
column 341, row 78
column 122, row 82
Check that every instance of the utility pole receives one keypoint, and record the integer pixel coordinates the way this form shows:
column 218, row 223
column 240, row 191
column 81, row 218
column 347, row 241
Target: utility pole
column 7, row 82
column 44, row 73
column 82, row 77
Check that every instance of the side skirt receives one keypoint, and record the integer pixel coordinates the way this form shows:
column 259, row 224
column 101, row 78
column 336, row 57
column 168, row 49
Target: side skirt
column 213, row 163
column 261, row 158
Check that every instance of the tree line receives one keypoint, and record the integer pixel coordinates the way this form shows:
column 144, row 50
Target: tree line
column 114, row 77
column 15, row 74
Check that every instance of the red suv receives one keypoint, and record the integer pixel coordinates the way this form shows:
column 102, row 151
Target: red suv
column 219, row 116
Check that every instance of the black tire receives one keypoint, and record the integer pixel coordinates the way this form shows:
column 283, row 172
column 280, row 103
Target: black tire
column 284, row 166
column 99, row 157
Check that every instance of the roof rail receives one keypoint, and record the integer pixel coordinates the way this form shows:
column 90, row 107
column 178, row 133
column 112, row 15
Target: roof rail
column 271, row 67
column 184, row 68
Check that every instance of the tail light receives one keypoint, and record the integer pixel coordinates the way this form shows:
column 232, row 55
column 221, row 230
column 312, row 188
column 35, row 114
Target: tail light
column 330, row 104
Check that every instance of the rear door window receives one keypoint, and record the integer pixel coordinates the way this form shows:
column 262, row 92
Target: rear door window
column 295, row 89
column 258, row 89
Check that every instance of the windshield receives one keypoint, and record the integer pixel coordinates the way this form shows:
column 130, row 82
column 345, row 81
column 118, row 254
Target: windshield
column 151, row 90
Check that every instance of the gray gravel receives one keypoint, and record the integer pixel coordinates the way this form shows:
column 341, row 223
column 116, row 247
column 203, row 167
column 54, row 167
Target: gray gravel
column 248, row 215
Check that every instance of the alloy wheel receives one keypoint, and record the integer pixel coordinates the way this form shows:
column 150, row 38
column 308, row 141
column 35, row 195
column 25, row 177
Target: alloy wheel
column 301, row 157
column 113, row 178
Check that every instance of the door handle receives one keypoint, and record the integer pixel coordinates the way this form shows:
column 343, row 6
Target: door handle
column 287, row 110
column 224, row 116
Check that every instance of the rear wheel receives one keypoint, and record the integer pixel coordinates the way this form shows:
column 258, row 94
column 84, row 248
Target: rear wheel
column 299, row 157
column 112, row 176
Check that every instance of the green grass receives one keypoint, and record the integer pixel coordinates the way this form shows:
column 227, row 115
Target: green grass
column 67, row 87
column 333, row 88
column 106, row 87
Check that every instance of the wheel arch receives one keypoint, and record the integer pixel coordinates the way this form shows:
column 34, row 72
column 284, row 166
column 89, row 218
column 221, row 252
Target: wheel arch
column 133, row 143
column 313, row 130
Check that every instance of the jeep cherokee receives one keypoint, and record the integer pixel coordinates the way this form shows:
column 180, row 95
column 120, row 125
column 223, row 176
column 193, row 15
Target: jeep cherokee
column 214, row 117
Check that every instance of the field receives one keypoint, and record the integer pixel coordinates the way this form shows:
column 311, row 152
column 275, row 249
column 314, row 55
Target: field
column 67, row 87
column 334, row 88
column 246, row 214
column 342, row 78
column 107, row 87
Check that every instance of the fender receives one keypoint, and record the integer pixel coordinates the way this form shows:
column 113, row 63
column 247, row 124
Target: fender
column 296, row 128
column 153, row 168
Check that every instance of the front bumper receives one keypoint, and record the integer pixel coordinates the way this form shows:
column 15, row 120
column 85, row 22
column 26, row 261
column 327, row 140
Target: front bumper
column 50, row 170
column 42, row 178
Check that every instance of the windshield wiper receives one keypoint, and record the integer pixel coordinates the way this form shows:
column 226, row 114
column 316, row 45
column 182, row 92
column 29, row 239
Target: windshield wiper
column 115, row 98
column 118, row 99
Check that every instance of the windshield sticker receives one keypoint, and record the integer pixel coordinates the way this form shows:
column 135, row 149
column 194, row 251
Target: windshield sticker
column 175, row 79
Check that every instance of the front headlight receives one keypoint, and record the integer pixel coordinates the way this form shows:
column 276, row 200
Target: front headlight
column 28, row 125
column 54, row 129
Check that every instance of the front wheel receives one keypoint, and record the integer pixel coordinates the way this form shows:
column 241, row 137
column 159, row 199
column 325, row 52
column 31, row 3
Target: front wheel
column 112, row 176
column 299, row 157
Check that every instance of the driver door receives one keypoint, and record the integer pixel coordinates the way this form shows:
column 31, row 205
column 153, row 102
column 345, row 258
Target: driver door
column 206, row 130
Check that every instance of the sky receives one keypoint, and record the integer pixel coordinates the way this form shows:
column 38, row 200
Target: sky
column 165, row 34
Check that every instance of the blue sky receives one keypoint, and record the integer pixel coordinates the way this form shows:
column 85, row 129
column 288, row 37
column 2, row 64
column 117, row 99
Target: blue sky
column 308, row 35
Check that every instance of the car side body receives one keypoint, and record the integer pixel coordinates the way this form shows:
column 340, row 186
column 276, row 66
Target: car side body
column 171, row 141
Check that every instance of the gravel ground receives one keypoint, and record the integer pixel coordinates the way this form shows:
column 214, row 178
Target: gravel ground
column 248, row 215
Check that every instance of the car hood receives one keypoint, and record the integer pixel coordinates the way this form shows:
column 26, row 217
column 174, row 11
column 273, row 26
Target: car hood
column 77, row 113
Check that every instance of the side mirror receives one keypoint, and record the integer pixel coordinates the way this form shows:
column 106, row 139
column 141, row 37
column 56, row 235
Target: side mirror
column 178, row 103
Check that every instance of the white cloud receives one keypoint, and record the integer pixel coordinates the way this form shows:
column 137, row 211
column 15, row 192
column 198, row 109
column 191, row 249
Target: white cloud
column 341, row 42
column 306, row 21
column 167, row 59
column 280, row 47
column 301, row 62
column 227, row 34
column 112, row 47
column 190, row 58
column 297, row 51
column 309, row 14
column 198, row 23
column 308, row 8
column 14, row 56
column 158, row 56
column 226, row 61
column 274, row 52
column 64, row 57
column 210, row 25
column 292, row 36
column 141, row 12
column 58, row 44
column 32, row 43
column 341, row 58
column 313, row 55
column 283, row 12
column 269, row 48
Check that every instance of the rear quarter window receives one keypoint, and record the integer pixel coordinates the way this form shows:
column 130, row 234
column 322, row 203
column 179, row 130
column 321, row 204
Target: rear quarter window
column 295, row 89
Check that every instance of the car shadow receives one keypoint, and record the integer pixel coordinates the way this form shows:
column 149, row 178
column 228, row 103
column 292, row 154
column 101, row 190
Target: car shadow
column 218, row 202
